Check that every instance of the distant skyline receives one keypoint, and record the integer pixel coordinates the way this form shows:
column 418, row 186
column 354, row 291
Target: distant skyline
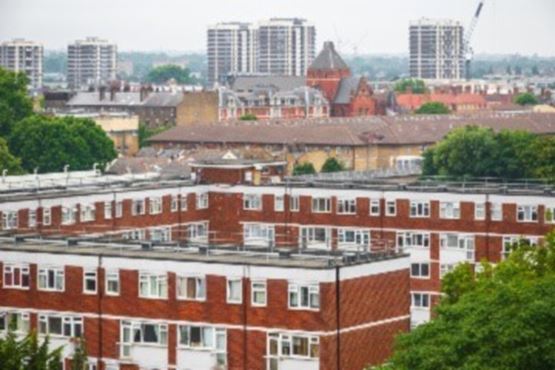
column 367, row 26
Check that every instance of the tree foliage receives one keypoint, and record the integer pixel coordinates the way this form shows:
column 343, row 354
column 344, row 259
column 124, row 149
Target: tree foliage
column 27, row 353
column 305, row 168
column 332, row 164
column 526, row 99
column 162, row 74
column 474, row 151
column 15, row 104
column 248, row 117
column 146, row 132
column 8, row 161
column 49, row 143
column 433, row 107
column 499, row 318
column 79, row 361
column 410, row 85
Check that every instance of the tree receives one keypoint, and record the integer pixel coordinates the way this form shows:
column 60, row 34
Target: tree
column 305, row 168
column 526, row 99
column 79, row 361
column 515, row 154
column 500, row 318
column 27, row 353
column 50, row 143
column 8, row 161
column 414, row 85
column 15, row 104
column 432, row 107
column 162, row 74
column 332, row 164
column 146, row 132
column 248, row 117
column 542, row 163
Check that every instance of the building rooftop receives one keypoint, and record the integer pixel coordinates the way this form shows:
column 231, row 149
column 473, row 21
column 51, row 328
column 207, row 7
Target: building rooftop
column 328, row 59
column 278, row 83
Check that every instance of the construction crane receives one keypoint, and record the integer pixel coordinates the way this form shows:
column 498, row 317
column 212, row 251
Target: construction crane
column 467, row 49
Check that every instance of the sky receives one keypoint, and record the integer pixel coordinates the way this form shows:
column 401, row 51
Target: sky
column 525, row 27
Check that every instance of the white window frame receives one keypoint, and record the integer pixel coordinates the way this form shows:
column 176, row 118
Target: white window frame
column 360, row 239
column 419, row 208
column 138, row 207
column 46, row 216
column 218, row 348
column 156, row 285
column 87, row 212
column 413, row 239
column 391, row 208
column 138, row 327
column 160, row 234
column 509, row 240
column 71, row 322
column 13, row 269
column 311, row 290
column 294, row 203
column 32, row 218
column 527, row 213
column 417, row 270
column 155, row 205
column 307, row 237
column 321, row 205
column 465, row 242
column 346, row 206
column 119, row 209
column 496, row 210
column 449, row 210
column 375, row 207
column 279, row 203
column 284, row 344
column 252, row 202
column 112, row 276
column 21, row 318
column 200, row 288
column 135, row 234
column 58, row 275
column 479, row 211
column 198, row 232
column 10, row 220
column 445, row 268
column 108, row 209
column 259, row 234
column 230, row 283
column 420, row 300
column 202, row 200
column 90, row 275
column 259, row 287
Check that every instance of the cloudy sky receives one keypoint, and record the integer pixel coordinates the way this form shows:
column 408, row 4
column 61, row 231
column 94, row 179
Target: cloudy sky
column 372, row 26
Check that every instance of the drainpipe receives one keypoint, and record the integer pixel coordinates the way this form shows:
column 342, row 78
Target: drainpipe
column 338, row 316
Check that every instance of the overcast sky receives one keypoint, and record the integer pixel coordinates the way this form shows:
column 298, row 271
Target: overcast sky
column 506, row 26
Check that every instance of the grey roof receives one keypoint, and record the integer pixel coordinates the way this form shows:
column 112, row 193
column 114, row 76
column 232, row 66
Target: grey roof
column 279, row 83
column 347, row 86
column 93, row 98
column 328, row 59
column 163, row 99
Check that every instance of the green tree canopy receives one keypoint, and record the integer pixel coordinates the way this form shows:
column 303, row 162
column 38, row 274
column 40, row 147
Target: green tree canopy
column 500, row 318
column 305, row 168
column 433, row 107
column 15, row 104
column 248, row 117
column 332, row 164
column 414, row 85
column 49, row 143
column 8, row 161
column 474, row 151
column 526, row 99
column 162, row 74
column 27, row 353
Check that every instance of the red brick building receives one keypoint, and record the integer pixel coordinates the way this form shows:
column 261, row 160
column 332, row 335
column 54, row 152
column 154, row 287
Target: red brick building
column 211, row 287
column 348, row 96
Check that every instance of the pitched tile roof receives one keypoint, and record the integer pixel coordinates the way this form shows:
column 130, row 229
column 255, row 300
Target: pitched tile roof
column 328, row 59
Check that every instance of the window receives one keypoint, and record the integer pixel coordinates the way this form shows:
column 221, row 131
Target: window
column 138, row 207
column 202, row 201
column 420, row 300
column 527, row 213
column 346, row 206
column 87, row 212
column 282, row 345
column 89, row 281
column 420, row 270
column 16, row 276
column 46, row 216
column 112, row 282
column 321, row 205
column 550, row 215
column 155, row 205
column 147, row 333
column 390, row 208
column 409, row 239
column 279, row 203
column 68, row 215
column 252, row 201
column 294, row 203
column 449, row 210
column 119, row 209
column 137, row 234
column 304, row 296
column 192, row 288
column 32, row 219
column 202, row 337
column 509, row 243
column 353, row 239
column 234, row 290
column 458, row 241
column 258, row 292
column 107, row 210
column 258, row 234
column 375, row 207
column 198, row 231
column 160, row 234
column 445, row 268
column 153, row 285
column 9, row 220
column 51, row 278
column 66, row 326
column 179, row 203
column 479, row 211
column 315, row 237
column 419, row 208
column 16, row 321
column 496, row 211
